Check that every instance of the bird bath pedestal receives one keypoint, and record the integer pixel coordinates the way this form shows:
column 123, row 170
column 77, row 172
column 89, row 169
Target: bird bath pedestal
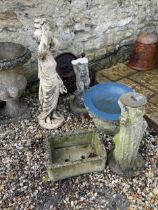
column 12, row 79
column 124, row 159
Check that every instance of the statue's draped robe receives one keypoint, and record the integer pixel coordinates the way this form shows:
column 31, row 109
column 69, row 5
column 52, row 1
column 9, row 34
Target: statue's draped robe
column 50, row 83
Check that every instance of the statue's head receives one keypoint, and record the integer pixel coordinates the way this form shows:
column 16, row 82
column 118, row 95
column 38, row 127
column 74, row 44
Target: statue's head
column 38, row 24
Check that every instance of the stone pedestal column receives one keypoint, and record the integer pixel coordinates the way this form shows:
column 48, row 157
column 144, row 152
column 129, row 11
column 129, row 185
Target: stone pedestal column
column 81, row 70
column 12, row 85
column 12, row 81
column 124, row 159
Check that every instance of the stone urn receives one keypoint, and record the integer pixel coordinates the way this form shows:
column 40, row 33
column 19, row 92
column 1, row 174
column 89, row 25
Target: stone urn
column 12, row 79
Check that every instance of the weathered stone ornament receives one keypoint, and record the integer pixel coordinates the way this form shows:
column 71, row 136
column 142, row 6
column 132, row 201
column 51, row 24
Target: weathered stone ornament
column 81, row 70
column 12, row 80
column 51, row 84
column 73, row 154
column 124, row 159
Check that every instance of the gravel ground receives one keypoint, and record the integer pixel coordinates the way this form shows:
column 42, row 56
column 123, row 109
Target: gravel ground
column 24, row 180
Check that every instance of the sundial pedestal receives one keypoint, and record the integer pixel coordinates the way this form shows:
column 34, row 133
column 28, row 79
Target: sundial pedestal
column 125, row 159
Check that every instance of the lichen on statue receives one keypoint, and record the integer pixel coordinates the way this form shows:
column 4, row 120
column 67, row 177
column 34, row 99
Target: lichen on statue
column 82, row 77
column 132, row 127
column 125, row 159
column 51, row 84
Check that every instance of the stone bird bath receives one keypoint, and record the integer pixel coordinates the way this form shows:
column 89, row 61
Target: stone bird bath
column 101, row 102
column 12, row 79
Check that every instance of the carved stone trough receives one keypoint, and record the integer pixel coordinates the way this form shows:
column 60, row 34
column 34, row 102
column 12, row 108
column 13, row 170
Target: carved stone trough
column 12, row 79
column 74, row 154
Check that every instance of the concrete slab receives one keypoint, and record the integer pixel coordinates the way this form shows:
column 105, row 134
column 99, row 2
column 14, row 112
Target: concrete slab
column 149, row 79
column 152, row 113
column 100, row 78
column 117, row 72
column 154, row 100
column 137, row 87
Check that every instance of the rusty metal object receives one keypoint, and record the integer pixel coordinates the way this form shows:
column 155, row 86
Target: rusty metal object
column 66, row 72
column 145, row 52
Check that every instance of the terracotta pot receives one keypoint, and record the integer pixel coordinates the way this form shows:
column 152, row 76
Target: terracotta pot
column 145, row 52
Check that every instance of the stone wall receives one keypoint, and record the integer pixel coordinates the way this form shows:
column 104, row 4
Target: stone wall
column 97, row 27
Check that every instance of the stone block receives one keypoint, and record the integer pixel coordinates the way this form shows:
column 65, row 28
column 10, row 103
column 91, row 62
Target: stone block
column 9, row 21
column 73, row 154
column 124, row 22
column 79, row 27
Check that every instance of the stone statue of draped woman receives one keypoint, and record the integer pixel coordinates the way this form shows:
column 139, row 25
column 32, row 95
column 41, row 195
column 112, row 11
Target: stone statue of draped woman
column 51, row 84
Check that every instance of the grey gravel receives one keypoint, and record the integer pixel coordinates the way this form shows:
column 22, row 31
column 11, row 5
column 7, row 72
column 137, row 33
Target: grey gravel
column 25, row 183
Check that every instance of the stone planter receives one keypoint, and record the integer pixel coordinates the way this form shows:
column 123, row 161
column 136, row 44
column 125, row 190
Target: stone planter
column 12, row 79
column 74, row 154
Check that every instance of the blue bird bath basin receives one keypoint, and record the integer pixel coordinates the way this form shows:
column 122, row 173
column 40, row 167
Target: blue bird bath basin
column 101, row 101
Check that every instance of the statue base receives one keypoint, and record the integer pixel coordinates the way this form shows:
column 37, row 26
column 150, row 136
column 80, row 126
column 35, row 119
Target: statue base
column 130, row 172
column 77, row 108
column 53, row 124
